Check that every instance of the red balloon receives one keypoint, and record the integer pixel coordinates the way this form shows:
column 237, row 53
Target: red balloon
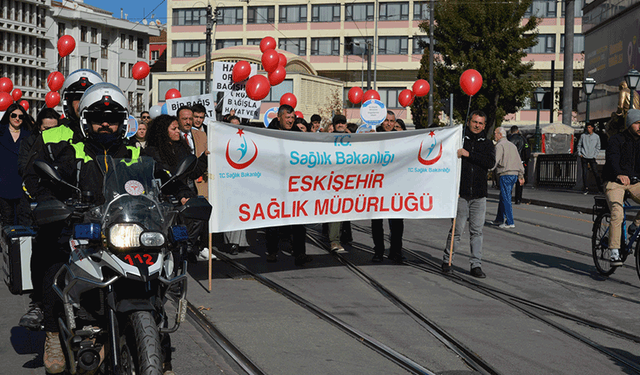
column 241, row 71
column 277, row 76
column 258, row 87
column 52, row 99
column 355, row 95
column 299, row 114
column 6, row 85
column 267, row 43
column 172, row 94
column 5, row 100
column 282, row 59
column 55, row 80
column 289, row 99
column 405, row 98
column 471, row 82
column 66, row 45
column 370, row 94
column 24, row 104
column 140, row 70
column 16, row 94
column 421, row 87
column 270, row 60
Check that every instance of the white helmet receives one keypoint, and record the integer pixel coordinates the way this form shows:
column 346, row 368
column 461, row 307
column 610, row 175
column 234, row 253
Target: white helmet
column 74, row 86
column 103, row 102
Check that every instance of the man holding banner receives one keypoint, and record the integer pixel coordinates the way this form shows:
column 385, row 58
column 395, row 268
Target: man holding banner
column 478, row 156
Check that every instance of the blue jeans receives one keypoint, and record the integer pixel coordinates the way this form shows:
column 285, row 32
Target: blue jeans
column 472, row 210
column 504, row 207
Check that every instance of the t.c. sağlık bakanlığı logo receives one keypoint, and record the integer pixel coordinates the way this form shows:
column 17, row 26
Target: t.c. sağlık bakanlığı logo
column 434, row 143
column 243, row 152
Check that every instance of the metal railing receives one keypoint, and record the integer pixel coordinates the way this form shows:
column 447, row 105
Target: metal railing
column 557, row 170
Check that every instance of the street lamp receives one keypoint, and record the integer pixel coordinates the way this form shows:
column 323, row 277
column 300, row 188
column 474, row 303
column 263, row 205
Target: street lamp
column 632, row 78
column 538, row 95
column 588, row 85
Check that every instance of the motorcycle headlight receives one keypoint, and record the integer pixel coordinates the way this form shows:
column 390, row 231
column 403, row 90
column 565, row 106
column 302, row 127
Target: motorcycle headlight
column 125, row 235
column 152, row 239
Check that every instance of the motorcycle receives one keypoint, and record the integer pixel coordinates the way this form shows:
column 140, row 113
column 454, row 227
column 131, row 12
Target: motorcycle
column 125, row 263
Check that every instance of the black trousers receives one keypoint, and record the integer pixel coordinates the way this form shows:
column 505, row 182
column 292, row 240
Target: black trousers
column 48, row 255
column 586, row 164
column 298, row 234
column 396, row 229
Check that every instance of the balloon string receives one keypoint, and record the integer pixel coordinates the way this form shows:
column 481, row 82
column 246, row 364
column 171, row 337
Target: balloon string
column 468, row 109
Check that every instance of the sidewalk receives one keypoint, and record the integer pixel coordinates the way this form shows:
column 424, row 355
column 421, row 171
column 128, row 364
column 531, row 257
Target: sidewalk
column 571, row 200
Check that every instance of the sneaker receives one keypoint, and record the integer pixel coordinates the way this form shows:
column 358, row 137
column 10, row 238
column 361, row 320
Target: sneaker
column 32, row 320
column 377, row 258
column 54, row 361
column 336, row 247
column 495, row 222
column 446, row 269
column 204, row 255
column 585, row 192
column 506, row 226
column 477, row 272
column 615, row 259
column 302, row 259
column 234, row 249
column 272, row 258
column 397, row 258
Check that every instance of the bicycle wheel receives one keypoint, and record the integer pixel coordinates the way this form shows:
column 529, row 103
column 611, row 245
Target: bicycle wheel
column 600, row 244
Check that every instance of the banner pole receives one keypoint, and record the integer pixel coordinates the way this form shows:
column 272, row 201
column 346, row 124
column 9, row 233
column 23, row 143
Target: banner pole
column 453, row 233
column 210, row 256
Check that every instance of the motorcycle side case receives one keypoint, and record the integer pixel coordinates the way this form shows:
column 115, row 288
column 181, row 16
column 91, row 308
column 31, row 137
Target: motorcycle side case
column 51, row 211
column 196, row 208
column 16, row 243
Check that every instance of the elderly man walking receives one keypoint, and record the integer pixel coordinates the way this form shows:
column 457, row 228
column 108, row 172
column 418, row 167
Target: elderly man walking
column 509, row 169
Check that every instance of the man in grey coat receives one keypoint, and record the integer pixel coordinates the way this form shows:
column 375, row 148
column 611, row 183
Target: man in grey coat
column 588, row 149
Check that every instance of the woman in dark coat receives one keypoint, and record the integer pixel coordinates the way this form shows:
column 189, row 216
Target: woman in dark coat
column 15, row 126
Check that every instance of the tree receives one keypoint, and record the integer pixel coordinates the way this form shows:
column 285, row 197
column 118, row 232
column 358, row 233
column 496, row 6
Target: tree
column 490, row 37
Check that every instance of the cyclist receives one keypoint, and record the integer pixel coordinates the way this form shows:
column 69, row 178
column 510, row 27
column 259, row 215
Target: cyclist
column 622, row 174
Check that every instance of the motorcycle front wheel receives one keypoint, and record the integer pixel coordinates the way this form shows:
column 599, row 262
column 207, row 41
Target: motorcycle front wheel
column 140, row 352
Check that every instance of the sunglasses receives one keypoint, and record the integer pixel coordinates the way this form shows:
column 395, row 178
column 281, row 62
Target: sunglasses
column 101, row 117
column 14, row 115
column 145, row 117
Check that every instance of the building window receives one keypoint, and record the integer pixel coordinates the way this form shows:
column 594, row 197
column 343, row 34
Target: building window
column 94, row 35
column 131, row 42
column 186, row 87
column 224, row 43
column 123, row 41
column 189, row 48
column 420, row 44
column 139, row 103
column 140, row 48
column 530, row 103
column 394, row 11
column 579, row 4
column 277, row 91
column 294, row 45
column 253, row 42
column 94, row 64
column 542, row 9
column 123, row 70
column 359, row 12
column 420, row 10
column 104, row 49
column 393, row 45
column 325, row 46
column 130, row 99
column 546, row 44
column 61, row 29
column 84, row 62
column 155, row 55
column 578, row 43
column 104, row 73
column 230, row 16
column 83, row 33
column 190, row 17
column 263, row 14
column 325, row 13
column 389, row 96
column 293, row 13
column 130, row 71
column 357, row 45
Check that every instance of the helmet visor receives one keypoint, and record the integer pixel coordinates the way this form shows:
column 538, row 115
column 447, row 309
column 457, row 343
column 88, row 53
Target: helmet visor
column 99, row 117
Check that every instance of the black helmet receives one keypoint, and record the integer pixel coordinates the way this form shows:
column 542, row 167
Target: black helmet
column 104, row 102
column 74, row 86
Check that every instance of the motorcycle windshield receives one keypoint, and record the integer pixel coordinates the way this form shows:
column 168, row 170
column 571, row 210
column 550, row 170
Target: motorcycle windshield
column 132, row 194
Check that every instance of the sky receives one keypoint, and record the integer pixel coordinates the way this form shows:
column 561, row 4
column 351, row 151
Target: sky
column 136, row 9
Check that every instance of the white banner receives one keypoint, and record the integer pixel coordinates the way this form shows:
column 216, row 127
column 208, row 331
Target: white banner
column 235, row 95
column 262, row 177
column 206, row 100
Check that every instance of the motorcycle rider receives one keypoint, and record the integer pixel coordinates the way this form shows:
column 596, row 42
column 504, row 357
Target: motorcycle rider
column 47, row 146
column 103, row 111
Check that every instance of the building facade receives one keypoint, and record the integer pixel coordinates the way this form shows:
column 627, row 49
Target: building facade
column 108, row 45
column 333, row 38
column 26, row 48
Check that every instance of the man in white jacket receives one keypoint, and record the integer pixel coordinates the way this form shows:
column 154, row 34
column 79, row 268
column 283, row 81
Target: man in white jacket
column 588, row 149
column 509, row 169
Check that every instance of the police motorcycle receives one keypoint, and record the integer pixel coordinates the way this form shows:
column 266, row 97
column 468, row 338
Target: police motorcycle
column 124, row 263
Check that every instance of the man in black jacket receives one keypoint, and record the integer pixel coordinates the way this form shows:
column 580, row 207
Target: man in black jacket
column 478, row 156
column 622, row 174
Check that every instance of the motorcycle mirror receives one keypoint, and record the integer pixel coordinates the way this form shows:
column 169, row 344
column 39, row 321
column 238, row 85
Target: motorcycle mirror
column 182, row 168
column 45, row 170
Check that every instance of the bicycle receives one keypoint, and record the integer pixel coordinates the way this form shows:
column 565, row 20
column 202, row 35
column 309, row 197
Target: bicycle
column 600, row 237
